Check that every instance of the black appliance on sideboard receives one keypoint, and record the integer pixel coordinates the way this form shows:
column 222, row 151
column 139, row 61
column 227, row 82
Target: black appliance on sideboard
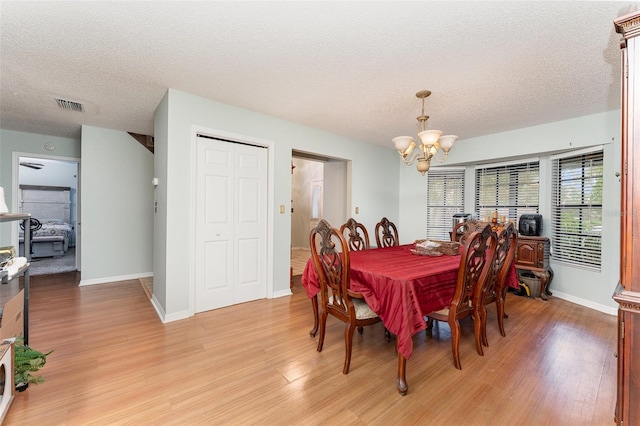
column 530, row 225
column 461, row 217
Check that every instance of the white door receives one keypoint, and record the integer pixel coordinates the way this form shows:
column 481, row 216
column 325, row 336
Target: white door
column 231, row 226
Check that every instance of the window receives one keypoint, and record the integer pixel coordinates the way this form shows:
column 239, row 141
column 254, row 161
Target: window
column 316, row 200
column 577, row 209
column 510, row 189
column 445, row 197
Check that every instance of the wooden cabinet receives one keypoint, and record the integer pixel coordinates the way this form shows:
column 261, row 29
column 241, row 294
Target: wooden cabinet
column 627, row 293
column 532, row 254
column 628, row 398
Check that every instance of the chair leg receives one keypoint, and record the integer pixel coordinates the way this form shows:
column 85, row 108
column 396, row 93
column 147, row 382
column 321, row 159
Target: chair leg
column 504, row 297
column 387, row 335
column 348, row 339
column 314, row 307
column 455, row 342
column 360, row 330
column 501, row 315
column 429, row 330
column 485, row 341
column 323, row 327
column 429, row 323
column 478, row 329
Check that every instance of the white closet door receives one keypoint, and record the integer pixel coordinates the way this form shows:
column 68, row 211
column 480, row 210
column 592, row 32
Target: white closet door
column 231, row 227
column 250, row 223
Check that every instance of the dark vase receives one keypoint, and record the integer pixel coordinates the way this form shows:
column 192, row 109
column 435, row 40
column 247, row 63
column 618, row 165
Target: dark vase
column 22, row 387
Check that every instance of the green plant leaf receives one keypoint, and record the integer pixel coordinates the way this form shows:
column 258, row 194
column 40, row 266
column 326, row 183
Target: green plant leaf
column 26, row 361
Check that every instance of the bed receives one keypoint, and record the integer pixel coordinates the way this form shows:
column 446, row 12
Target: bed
column 50, row 205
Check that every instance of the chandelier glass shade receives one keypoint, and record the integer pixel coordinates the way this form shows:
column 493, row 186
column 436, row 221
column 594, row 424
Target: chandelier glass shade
column 430, row 142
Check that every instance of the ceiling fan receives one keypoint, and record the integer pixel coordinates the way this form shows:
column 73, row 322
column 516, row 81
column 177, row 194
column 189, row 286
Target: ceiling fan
column 36, row 166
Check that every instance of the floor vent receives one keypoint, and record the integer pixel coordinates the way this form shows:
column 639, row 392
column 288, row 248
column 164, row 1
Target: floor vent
column 70, row 105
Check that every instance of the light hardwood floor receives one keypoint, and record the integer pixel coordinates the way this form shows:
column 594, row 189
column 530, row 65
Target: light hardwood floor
column 115, row 363
column 299, row 258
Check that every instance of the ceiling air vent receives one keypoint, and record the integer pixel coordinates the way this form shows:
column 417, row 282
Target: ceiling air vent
column 70, row 105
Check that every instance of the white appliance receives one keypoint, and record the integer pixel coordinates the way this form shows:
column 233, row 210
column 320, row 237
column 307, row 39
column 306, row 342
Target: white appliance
column 6, row 378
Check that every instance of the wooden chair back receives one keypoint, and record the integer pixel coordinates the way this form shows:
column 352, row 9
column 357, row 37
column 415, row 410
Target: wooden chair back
column 474, row 270
column 505, row 254
column 386, row 234
column 330, row 253
column 502, row 263
column 357, row 236
column 463, row 230
column 475, row 266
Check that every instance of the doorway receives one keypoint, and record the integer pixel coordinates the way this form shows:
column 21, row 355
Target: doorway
column 306, row 208
column 319, row 188
column 47, row 187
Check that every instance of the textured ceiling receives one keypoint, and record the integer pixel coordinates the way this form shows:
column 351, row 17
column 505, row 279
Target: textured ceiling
column 351, row 68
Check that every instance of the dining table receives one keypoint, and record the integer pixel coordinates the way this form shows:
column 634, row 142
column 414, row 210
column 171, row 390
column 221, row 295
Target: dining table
column 401, row 286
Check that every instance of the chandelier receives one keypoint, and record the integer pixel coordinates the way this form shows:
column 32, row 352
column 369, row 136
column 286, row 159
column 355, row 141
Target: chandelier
column 431, row 141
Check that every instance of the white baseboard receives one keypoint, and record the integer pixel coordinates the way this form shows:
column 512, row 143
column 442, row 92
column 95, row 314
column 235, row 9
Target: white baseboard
column 115, row 279
column 156, row 305
column 281, row 293
column 163, row 315
column 586, row 303
column 176, row 316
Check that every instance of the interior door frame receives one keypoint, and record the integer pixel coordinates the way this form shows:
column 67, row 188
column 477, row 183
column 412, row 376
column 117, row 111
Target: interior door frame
column 15, row 179
column 238, row 138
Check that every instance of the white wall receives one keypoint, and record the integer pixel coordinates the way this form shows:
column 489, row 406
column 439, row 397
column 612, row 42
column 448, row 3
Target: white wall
column 593, row 289
column 334, row 195
column 116, row 204
column 54, row 173
column 374, row 172
column 306, row 172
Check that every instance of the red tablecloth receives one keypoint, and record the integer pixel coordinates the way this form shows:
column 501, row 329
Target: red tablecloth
column 401, row 287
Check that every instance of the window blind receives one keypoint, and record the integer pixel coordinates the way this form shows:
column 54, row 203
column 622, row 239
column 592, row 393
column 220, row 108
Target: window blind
column 511, row 190
column 445, row 197
column 577, row 210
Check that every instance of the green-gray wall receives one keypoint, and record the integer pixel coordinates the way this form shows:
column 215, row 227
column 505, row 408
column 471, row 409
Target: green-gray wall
column 372, row 173
column 588, row 288
column 116, row 198
column 116, row 206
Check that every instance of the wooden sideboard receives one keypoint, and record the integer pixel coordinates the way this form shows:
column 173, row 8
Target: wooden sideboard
column 627, row 293
column 532, row 254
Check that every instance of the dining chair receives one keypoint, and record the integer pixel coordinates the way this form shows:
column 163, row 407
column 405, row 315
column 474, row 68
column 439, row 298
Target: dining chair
column 475, row 265
column 357, row 237
column 330, row 254
column 463, row 230
column 386, row 233
column 496, row 293
column 458, row 230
